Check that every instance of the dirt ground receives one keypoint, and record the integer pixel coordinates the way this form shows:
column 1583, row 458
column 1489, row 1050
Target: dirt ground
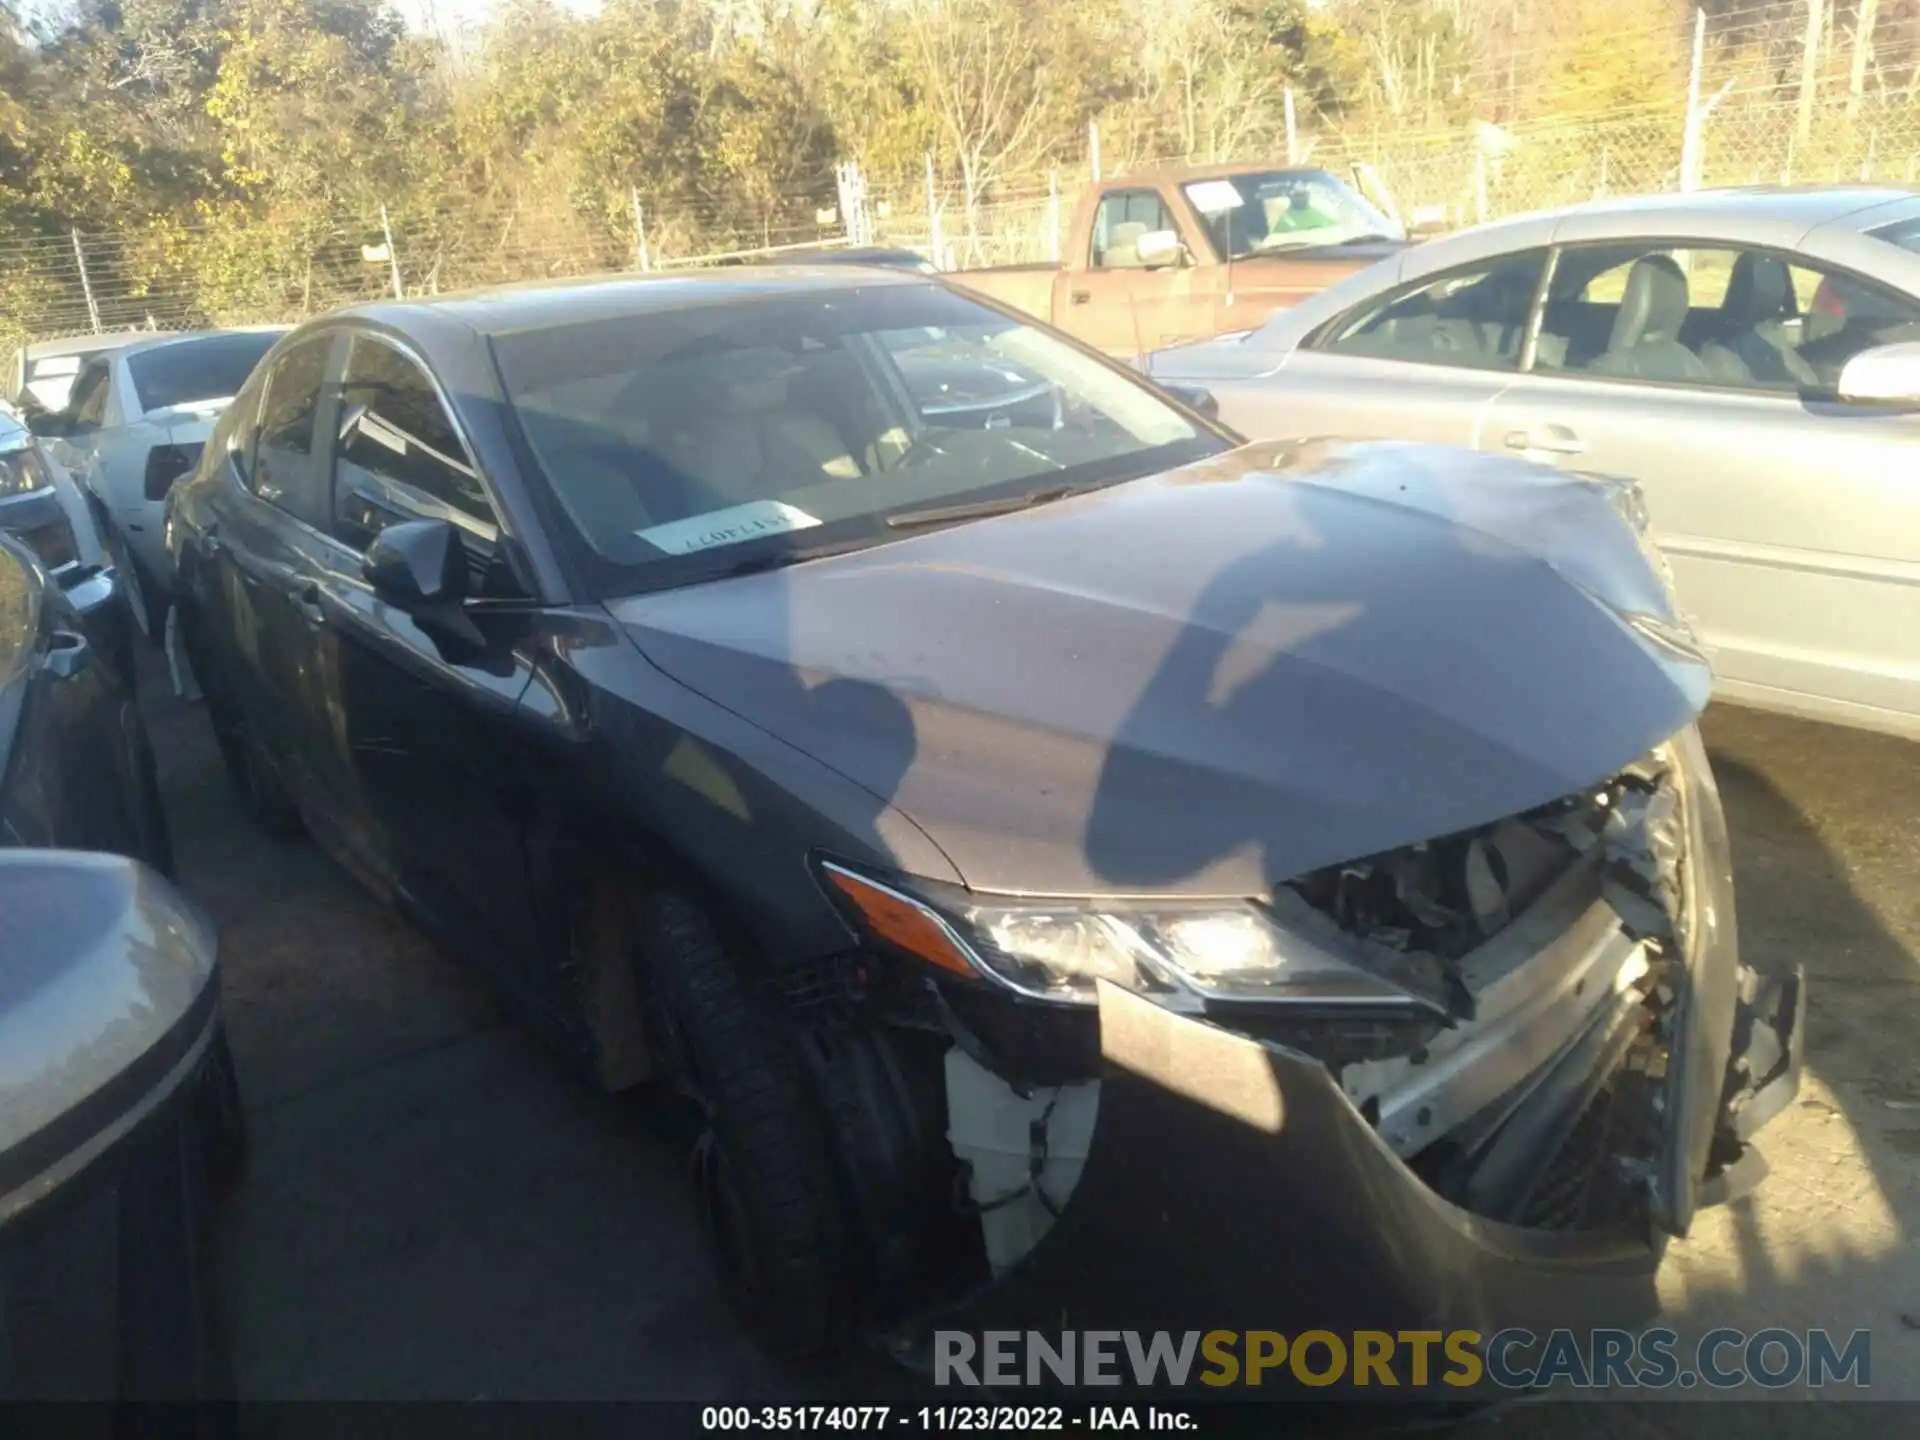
column 434, row 1210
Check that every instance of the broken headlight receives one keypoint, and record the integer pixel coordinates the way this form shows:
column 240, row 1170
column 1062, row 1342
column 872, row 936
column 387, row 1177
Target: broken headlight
column 1180, row 954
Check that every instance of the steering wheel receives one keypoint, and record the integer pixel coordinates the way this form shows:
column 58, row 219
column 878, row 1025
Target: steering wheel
column 922, row 447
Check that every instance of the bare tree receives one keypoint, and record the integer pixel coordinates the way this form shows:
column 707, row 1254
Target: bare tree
column 981, row 68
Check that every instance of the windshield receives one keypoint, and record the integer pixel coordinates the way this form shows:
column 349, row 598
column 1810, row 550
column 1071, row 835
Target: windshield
column 1258, row 214
column 189, row 371
column 801, row 423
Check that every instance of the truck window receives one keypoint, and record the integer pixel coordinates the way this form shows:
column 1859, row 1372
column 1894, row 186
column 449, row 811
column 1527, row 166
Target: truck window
column 1123, row 217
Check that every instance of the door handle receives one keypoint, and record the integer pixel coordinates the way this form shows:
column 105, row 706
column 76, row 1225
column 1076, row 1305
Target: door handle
column 1080, row 297
column 1548, row 439
column 67, row 654
column 306, row 599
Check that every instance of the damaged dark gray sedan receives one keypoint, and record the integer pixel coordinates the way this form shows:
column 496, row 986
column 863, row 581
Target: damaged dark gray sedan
column 1086, row 873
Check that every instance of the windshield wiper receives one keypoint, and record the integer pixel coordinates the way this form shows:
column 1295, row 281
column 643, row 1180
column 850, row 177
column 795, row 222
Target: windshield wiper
column 980, row 509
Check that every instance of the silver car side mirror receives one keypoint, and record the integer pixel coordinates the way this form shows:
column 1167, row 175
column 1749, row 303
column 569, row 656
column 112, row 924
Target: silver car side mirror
column 1884, row 375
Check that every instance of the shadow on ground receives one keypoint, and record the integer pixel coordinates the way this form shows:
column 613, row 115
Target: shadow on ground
column 436, row 1210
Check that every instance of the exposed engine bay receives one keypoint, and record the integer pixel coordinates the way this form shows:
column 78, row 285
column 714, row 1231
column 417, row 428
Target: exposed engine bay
column 1531, row 1091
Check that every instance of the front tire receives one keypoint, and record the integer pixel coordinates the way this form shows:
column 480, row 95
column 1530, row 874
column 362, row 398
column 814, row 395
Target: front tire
column 763, row 1174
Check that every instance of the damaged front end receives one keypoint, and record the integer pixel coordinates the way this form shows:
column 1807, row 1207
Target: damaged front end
column 1415, row 1090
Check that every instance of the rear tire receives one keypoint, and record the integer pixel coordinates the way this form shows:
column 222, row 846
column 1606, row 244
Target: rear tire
column 146, row 600
column 250, row 774
column 763, row 1174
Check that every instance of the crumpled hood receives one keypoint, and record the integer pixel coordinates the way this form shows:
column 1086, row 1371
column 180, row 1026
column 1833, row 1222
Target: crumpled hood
column 1210, row 680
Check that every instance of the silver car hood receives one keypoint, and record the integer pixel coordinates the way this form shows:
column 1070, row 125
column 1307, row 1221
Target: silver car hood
column 1213, row 679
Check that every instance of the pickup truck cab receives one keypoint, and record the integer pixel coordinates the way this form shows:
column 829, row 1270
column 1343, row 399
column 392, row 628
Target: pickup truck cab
column 1188, row 253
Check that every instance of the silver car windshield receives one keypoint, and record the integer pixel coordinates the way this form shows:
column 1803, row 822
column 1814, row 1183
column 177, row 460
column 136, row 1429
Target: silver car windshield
column 815, row 419
column 1258, row 214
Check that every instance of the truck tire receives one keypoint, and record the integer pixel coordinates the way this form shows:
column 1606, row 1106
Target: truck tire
column 763, row 1175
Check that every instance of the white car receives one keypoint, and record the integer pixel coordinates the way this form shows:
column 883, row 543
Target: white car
column 135, row 423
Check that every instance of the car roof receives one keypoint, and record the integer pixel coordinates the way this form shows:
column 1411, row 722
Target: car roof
column 1803, row 205
column 880, row 255
column 162, row 342
column 84, row 344
column 1180, row 174
column 544, row 303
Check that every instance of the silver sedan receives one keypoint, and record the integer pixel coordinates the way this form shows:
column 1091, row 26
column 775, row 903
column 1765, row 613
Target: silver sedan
column 1750, row 357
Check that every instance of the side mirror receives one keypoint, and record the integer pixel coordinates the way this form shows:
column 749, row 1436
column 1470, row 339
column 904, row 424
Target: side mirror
column 417, row 564
column 1884, row 375
column 1159, row 248
column 420, row 566
column 1197, row 398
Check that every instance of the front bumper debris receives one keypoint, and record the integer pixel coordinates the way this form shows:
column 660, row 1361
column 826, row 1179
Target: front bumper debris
column 1232, row 1184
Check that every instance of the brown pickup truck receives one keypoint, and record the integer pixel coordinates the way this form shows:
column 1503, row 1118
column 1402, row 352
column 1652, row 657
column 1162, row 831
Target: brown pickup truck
column 1164, row 256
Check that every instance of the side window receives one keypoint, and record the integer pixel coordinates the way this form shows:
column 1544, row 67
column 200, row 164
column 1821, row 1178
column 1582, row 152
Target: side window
column 1842, row 315
column 1714, row 317
column 285, row 471
column 1123, row 217
column 399, row 456
column 88, row 403
column 1474, row 318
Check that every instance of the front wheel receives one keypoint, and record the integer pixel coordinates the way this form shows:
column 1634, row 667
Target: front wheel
column 763, row 1176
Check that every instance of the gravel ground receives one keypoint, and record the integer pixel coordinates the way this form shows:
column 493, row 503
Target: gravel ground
column 434, row 1210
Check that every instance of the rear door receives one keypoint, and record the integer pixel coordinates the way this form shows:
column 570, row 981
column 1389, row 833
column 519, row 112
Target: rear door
column 1791, row 519
column 271, row 509
column 1424, row 361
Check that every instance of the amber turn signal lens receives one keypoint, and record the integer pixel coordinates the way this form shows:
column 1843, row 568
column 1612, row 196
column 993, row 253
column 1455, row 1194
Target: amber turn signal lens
column 899, row 921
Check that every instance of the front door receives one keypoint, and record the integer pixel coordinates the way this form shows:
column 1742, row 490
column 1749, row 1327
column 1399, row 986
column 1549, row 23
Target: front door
column 1791, row 520
column 425, row 723
column 1120, row 303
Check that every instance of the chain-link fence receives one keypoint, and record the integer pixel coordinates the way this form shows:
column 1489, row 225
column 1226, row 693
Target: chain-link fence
column 1752, row 129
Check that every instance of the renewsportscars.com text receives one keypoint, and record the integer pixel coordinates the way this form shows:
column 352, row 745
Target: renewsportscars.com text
column 1510, row 1359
